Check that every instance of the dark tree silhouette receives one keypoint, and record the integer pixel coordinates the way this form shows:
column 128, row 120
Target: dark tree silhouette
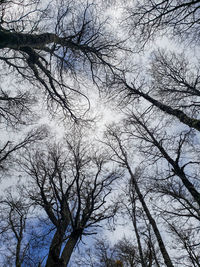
column 9, row 149
column 171, row 85
column 179, row 18
column 153, row 137
column 71, row 184
column 53, row 46
column 120, row 154
column 13, row 214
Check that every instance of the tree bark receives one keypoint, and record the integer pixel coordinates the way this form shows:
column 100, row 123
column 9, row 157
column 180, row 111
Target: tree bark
column 18, row 250
column 16, row 41
column 53, row 259
column 69, row 247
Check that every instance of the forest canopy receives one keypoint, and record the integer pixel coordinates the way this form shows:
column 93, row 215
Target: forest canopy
column 99, row 141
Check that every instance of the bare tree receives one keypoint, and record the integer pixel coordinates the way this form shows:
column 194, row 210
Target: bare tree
column 171, row 85
column 13, row 212
column 119, row 154
column 106, row 255
column 149, row 19
column 123, row 253
column 152, row 138
column 171, row 168
column 15, row 109
column 71, row 184
column 186, row 238
column 47, row 44
column 9, row 148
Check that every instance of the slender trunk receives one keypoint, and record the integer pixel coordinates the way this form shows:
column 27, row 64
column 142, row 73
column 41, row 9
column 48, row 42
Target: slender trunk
column 163, row 250
column 19, row 236
column 191, row 122
column 138, row 239
column 154, row 253
column 150, row 256
column 176, row 168
column 68, row 249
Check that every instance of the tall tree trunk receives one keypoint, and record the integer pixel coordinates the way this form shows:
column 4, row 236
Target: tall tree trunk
column 138, row 239
column 163, row 250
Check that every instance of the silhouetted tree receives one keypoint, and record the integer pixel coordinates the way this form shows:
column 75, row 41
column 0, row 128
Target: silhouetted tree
column 53, row 45
column 9, row 149
column 71, row 183
column 149, row 19
column 14, row 244
column 116, row 143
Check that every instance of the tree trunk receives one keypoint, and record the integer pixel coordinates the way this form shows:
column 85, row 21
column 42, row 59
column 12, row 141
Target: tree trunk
column 69, row 247
column 180, row 115
column 53, row 259
column 138, row 239
column 17, row 41
column 163, row 250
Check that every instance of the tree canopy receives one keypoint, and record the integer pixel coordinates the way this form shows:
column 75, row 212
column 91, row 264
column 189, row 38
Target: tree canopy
column 79, row 188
